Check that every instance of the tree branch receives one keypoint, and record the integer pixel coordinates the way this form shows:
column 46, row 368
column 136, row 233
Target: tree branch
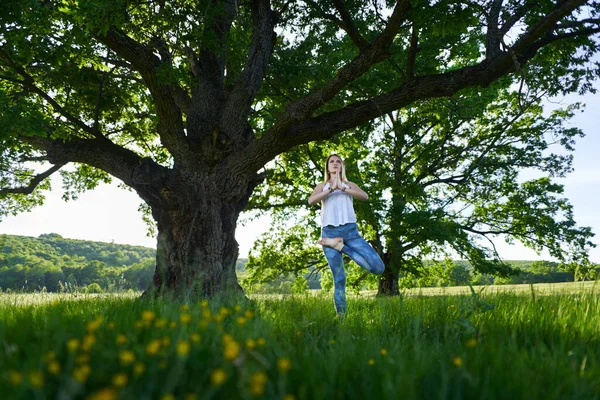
column 32, row 184
column 348, row 25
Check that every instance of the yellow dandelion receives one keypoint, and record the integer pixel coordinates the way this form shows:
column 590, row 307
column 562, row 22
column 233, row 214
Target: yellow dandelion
column 139, row 368
column 173, row 325
column 250, row 344
column 167, row 396
column 237, row 307
column 183, row 348
column 185, row 318
column 81, row 373
column 73, row 344
column 121, row 339
column 204, row 303
column 257, row 383
column 383, row 352
column 457, row 362
column 224, row 311
column 95, row 324
column 218, row 377
column 284, row 364
column 54, row 367
column 126, row 357
column 104, row 394
column 83, row 358
column 139, row 324
column 148, row 316
column 371, row 362
column 249, row 314
column 184, row 307
column 153, row 347
column 227, row 338
column 219, row 318
column 189, row 396
column 298, row 332
column 36, row 379
column 110, row 325
column 241, row 321
column 195, row 337
column 119, row 380
column 203, row 324
column 261, row 341
column 88, row 342
column 206, row 314
column 160, row 322
column 15, row 377
column 472, row 342
column 49, row 356
column 165, row 341
column 232, row 350
column 333, row 341
column 289, row 397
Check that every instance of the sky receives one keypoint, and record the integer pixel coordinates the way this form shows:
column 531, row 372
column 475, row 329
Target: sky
column 110, row 214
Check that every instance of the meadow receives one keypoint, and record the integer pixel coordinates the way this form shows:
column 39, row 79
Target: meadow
column 535, row 343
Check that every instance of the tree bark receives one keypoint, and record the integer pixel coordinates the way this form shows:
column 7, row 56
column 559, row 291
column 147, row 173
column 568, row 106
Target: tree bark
column 388, row 283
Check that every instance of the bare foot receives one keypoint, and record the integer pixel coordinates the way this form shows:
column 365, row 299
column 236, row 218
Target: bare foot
column 335, row 243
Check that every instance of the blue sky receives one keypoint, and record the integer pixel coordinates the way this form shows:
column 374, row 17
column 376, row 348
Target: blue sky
column 110, row 214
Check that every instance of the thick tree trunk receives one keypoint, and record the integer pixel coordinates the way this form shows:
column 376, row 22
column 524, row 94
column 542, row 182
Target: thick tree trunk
column 196, row 248
column 388, row 283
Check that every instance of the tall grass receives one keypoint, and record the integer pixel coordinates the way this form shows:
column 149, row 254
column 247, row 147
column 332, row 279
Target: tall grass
column 496, row 346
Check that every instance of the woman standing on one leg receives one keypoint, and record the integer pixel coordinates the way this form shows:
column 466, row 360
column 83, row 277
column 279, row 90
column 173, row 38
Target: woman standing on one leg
column 339, row 234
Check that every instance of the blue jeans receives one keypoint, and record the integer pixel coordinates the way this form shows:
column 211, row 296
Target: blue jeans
column 357, row 249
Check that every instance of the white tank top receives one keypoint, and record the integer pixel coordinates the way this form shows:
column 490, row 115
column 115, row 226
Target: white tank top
column 337, row 208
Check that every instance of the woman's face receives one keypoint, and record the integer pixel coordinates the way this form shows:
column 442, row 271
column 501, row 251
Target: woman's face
column 334, row 164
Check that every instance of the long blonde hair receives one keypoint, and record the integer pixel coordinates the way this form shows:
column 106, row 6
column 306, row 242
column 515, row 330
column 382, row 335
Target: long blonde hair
column 327, row 175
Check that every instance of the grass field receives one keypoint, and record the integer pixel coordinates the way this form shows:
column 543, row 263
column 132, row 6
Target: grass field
column 538, row 343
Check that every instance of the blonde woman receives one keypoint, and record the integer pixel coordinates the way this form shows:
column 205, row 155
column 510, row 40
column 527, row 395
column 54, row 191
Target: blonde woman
column 339, row 233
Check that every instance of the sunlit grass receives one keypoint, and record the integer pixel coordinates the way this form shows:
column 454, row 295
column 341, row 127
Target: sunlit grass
column 492, row 346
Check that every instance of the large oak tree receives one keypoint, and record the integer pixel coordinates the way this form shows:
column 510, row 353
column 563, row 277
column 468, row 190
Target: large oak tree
column 181, row 100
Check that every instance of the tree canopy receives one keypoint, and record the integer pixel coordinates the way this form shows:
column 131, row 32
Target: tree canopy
column 187, row 102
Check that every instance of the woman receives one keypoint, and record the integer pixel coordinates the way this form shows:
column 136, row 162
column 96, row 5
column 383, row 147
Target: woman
column 339, row 234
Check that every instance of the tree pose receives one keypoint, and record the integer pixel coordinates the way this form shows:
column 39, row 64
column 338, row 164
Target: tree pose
column 339, row 234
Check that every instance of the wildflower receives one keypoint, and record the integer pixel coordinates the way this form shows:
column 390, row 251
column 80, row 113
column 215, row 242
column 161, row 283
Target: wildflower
column 81, row 373
column 383, row 352
column 119, row 380
column 54, row 367
column 139, row 368
column 173, row 325
column 184, row 307
column 95, row 324
column 333, row 341
column 167, row 396
column 126, row 357
column 166, row 341
column 472, row 342
column 227, row 338
column 121, row 339
column 36, row 379
column 153, row 347
column 249, row 314
column 15, row 377
column 257, row 383
column 73, row 344
column 219, row 318
column 289, row 397
column 232, row 349
column 83, row 358
column 189, row 396
column 139, row 324
column 204, row 303
column 148, row 316
column 284, row 364
column 250, row 344
column 217, row 377
column 183, row 348
column 49, row 356
column 185, row 318
column 371, row 362
column 237, row 307
column 224, row 311
column 206, row 314
column 110, row 325
column 195, row 337
column 241, row 321
column 160, row 323
column 261, row 341
column 457, row 362
column 104, row 394
column 88, row 342
column 298, row 332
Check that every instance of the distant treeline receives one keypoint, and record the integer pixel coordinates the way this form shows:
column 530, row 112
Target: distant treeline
column 55, row 264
